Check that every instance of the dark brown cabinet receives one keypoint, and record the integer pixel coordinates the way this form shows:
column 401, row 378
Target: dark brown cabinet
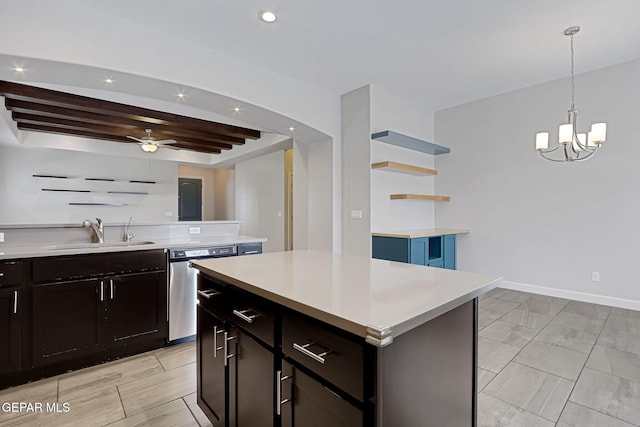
column 248, row 373
column 135, row 307
column 235, row 380
column 251, row 378
column 77, row 318
column 10, row 329
column 68, row 320
column 307, row 403
column 212, row 371
column 11, row 315
column 95, row 307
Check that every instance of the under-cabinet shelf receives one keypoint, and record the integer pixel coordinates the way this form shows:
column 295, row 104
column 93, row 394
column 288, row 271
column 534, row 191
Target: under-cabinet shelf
column 403, row 168
column 419, row 197
column 409, row 142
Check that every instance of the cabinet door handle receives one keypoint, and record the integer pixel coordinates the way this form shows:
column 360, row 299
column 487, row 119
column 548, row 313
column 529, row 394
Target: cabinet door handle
column 113, row 289
column 215, row 340
column 251, row 252
column 101, row 291
column 227, row 356
column 208, row 293
column 317, row 357
column 241, row 314
column 1, row 274
column 279, row 400
column 15, row 302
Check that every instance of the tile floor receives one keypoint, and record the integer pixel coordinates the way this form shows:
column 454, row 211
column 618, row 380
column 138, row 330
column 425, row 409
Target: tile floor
column 151, row 389
column 543, row 361
column 546, row 361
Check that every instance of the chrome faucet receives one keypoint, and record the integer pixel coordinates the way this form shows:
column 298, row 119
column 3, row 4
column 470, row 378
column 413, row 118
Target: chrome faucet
column 97, row 227
column 126, row 234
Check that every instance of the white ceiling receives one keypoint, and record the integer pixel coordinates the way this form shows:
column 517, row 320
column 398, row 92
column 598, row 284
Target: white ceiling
column 437, row 53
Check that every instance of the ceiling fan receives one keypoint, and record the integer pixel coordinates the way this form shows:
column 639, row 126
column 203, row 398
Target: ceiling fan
column 150, row 144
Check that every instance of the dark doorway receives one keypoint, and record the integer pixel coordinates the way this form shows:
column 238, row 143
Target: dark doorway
column 189, row 199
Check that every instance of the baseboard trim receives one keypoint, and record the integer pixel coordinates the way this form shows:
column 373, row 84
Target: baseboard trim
column 573, row 295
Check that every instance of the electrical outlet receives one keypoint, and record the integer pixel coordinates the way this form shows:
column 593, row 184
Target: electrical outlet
column 1, row 237
column 595, row 276
column 356, row 214
column 168, row 213
column 194, row 230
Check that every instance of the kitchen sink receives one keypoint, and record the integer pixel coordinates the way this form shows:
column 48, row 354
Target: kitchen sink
column 96, row 245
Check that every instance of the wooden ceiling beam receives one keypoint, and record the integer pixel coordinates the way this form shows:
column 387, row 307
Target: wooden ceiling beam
column 90, row 117
column 22, row 92
column 101, row 136
column 80, row 126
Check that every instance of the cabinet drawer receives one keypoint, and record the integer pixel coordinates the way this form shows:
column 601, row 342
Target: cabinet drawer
column 254, row 314
column 94, row 265
column 10, row 273
column 325, row 351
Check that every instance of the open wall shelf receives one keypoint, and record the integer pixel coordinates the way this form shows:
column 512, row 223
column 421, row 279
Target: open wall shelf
column 419, row 197
column 403, row 168
column 409, row 142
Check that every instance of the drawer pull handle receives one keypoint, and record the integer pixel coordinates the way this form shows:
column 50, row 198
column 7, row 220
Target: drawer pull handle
column 101, row 291
column 1, row 274
column 279, row 380
column 242, row 314
column 251, row 252
column 208, row 293
column 15, row 302
column 303, row 349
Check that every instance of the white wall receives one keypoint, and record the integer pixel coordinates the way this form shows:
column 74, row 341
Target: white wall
column 301, row 193
column 22, row 200
column 537, row 222
column 356, row 175
column 390, row 112
column 208, row 187
column 224, row 194
column 320, row 172
column 260, row 199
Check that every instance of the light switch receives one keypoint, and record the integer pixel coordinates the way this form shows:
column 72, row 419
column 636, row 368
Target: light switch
column 356, row 214
column 168, row 213
column 1, row 237
column 194, row 230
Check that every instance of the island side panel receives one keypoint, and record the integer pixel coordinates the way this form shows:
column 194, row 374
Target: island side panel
column 427, row 376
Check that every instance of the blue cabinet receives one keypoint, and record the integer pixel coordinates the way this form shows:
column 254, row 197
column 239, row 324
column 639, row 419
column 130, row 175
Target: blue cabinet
column 433, row 251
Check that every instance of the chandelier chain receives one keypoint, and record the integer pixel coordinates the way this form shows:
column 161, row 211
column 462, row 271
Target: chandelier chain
column 573, row 84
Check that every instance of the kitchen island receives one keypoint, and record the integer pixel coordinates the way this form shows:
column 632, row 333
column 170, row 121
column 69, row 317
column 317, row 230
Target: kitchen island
column 306, row 338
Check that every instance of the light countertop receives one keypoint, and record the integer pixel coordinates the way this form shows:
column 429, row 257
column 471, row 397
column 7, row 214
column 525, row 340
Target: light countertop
column 43, row 250
column 424, row 232
column 372, row 298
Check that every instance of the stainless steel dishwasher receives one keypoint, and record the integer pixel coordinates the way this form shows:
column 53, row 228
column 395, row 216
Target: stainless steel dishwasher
column 182, row 288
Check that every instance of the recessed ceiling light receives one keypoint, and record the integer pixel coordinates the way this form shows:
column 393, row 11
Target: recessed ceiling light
column 19, row 69
column 181, row 95
column 236, row 109
column 291, row 128
column 267, row 16
column 108, row 80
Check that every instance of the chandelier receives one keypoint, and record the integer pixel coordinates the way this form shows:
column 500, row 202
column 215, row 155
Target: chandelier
column 572, row 146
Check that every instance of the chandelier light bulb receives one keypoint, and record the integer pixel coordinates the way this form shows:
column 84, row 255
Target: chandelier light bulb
column 542, row 140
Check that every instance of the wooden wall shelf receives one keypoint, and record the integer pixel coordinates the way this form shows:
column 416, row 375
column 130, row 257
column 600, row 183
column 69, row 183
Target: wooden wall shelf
column 409, row 142
column 403, row 168
column 419, row 197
